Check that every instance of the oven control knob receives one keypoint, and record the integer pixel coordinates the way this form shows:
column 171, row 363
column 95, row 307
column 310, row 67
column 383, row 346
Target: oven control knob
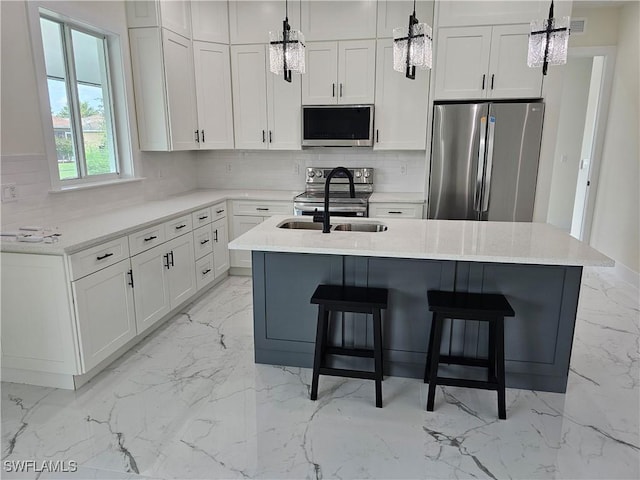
column 366, row 174
column 358, row 174
column 319, row 173
column 311, row 174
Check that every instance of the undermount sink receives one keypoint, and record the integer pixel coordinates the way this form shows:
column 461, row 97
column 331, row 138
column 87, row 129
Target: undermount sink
column 341, row 227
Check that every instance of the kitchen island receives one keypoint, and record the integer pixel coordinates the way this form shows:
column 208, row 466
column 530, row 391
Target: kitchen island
column 537, row 266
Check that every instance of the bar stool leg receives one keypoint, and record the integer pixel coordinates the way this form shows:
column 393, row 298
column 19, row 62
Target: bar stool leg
column 323, row 317
column 492, row 357
column 502, row 409
column 431, row 335
column 377, row 352
column 433, row 359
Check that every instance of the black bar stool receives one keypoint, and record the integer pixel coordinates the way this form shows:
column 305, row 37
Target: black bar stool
column 334, row 298
column 483, row 307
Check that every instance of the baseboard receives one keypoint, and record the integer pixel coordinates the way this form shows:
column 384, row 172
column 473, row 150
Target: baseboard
column 42, row 379
column 626, row 274
column 240, row 271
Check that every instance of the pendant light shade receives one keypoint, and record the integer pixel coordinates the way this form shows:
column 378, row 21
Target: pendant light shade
column 412, row 47
column 286, row 50
column 548, row 42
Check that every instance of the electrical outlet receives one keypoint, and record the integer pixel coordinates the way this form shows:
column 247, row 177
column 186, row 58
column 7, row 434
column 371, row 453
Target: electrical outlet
column 403, row 169
column 9, row 192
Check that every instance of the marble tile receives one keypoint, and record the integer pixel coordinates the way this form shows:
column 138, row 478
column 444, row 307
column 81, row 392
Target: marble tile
column 189, row 402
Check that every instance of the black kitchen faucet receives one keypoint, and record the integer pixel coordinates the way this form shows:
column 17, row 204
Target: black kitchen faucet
column 326, row 224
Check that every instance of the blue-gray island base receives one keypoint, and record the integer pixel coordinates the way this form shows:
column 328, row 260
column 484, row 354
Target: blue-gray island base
column 538, row 339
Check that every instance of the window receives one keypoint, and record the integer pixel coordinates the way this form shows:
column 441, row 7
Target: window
column 80, row 101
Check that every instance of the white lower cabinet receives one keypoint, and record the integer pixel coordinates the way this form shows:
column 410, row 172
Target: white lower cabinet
column 105, row 311
column 242, row 224
column 220, row 247
column 396, row 210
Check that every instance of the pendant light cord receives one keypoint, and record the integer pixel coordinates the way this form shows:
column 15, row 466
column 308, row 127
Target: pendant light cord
column 414, row 8
column 286, row 9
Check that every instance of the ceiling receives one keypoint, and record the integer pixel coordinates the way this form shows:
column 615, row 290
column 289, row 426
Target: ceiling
column 598, row 3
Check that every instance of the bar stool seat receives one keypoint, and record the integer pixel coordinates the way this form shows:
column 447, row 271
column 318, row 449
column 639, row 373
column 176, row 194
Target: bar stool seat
column 492, row 308
column 338, row 298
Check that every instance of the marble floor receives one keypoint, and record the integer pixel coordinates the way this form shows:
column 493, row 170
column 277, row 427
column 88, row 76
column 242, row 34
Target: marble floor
column 188, row 402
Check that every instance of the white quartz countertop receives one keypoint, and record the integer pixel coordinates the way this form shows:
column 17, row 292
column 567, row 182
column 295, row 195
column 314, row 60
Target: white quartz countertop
column 502, row 242
column 399, row 197
column 88, row 231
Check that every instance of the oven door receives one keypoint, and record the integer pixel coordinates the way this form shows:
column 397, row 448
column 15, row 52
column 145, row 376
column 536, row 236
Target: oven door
column 339, row 210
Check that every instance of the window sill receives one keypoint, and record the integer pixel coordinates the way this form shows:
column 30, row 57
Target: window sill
column 86, row 186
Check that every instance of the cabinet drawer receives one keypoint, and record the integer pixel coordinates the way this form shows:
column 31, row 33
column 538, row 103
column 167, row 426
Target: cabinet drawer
column 202, row 241
column 96, row 258
column 204, row 271
column 219, row 211
column 201, row 217
column 395, row 210
column 265, row 209
column 147, row 238
column 178, row 226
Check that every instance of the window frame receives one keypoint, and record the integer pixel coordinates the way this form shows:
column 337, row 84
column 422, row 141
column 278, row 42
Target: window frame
column 119, row 89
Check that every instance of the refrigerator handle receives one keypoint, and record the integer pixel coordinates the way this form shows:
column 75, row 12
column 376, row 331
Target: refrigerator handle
column 477, row 196
column 487, row 174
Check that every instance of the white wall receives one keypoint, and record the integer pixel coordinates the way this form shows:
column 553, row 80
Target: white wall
column 22, row 146
column 601, row 25
column 394, row 171
column 575, row 93
column 616, row 222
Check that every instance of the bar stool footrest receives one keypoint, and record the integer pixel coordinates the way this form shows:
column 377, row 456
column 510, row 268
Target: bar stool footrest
column 464, row 382
column 343, row 372
column 471, row 362
column 352, row 352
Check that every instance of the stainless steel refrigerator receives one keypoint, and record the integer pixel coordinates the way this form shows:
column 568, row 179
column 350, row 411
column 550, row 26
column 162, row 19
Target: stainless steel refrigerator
column 484, row 161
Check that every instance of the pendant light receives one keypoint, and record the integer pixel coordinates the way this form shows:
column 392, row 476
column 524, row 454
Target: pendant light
column 412, row 47
column 286, row 49
column 548, row 42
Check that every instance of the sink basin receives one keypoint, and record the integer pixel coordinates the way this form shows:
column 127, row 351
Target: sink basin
column 360, row 227
column 341, row 227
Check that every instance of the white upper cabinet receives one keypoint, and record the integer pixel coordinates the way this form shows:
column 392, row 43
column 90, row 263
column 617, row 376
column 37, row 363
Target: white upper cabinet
column 344, row 20
column 484, row 62
column 213, row 88
column 339, row 73
column 210, row 21
column 251, row 21
column 267, row 112
column 470, row 12
column 171, row 14
column 395, row 13
column 400, row 106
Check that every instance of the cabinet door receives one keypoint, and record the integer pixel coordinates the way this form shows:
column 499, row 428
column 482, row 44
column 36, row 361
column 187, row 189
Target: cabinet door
column 251, row 21
column 220, row 247
column 176, row 16
column 242, row 224
column 182, row 274
column 356, row 71
column 105, row 312
column 509, row 75
column 319, row 83
column 210, row 21
column 151, row 295
column 401, row 104
column 461, row 63
column 181, row 91
column 395, row 13
column 330, row 20
column 249, row 96
column 213, row 88
column 285, row 114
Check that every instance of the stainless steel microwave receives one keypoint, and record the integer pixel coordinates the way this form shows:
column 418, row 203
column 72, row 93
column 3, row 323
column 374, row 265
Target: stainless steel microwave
column 337, row 125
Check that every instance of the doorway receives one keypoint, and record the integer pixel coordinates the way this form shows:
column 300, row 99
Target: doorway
column 583, row 114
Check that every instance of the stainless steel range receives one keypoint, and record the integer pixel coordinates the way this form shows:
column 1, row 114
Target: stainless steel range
column 340, row 203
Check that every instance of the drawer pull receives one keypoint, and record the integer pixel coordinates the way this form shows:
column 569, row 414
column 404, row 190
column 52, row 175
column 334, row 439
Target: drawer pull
column 179, row 227
column 204, row 241
column 262, row 209
column 130, row 273
column 204, row 272
column 171, row 253
column 166, row 261
column 148, row 239
column 218, row 212
column 203, row 218
column 215, row 238
column 106, row 255
column 395, row 212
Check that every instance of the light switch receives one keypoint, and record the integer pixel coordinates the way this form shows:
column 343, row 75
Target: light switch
column 9, row 192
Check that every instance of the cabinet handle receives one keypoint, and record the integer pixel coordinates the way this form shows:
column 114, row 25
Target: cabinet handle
column 180, row 227
column 204, row 272
column 203, row 218
column 166, row 261
column 197, row 136
column 262, row 209
column 171, row 253
column 377, row 136
column 263, row 137
column 203, row 242
column 215, row 236
column 270, row 136
column 218, row 212
column 130, row 282
column 152, row 237
column 106, row 255
column 483, row 79
column 341, row 90
column 202, row 136
column 492, row 78
column 395, row 212
column 333, row 89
